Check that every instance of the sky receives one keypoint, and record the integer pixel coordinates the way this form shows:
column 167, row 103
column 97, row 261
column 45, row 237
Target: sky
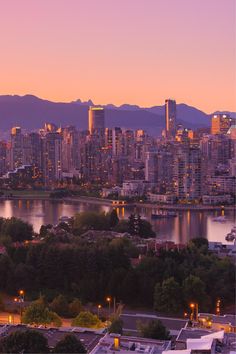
column 120, row 51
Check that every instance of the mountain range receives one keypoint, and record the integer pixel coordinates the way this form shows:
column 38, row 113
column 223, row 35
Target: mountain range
column 31, row 112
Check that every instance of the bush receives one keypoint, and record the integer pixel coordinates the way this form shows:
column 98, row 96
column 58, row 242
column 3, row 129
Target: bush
column 86, row 319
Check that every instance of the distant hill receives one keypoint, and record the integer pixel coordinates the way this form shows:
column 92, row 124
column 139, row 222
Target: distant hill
column 31, row 113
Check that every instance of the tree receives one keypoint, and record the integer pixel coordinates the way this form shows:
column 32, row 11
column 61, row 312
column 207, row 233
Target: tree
column 17, row 229
column 133, row 224
column 194, row 290
column 199, row 242
column 75, row 307
column 37, row 313
column 86, row 319
column 154, row 329
column 116, row 325
column 145, row 229
column 90, row 220
column 114, row 220
column 28, row 342
column 122, row 226
column 60, row 306
column 165, row 298
column 69, row 344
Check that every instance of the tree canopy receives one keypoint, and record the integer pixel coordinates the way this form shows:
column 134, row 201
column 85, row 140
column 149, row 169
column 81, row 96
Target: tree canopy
column 116, row 325
column 86, row 319
column 69, row 344
column 37, row 313
column 154, row 329
column 17, row 229
column 28, row 341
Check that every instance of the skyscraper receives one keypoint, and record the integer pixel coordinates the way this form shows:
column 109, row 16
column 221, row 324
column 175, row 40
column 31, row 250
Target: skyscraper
column 220, row 123
column 96, row 120
column 170, row 113
column 16, row 152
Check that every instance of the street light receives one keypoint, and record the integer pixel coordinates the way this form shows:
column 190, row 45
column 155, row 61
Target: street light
column 20, row 299
column 99, row 308
column 108, row 299
column 194, row 306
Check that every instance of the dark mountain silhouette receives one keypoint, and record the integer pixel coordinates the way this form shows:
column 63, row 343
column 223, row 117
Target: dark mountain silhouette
column 31, row 113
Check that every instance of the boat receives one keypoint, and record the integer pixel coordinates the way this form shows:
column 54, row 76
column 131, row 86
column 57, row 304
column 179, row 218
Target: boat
column 164, row 214
column 220, row 218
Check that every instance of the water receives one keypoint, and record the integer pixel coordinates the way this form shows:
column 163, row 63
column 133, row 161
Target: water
column 188, row 224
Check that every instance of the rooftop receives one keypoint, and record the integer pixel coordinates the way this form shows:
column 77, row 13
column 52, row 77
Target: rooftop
column 122, row 344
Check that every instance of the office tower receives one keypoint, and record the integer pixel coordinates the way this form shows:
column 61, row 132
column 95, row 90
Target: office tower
column 220, row 123
column 170, row 114
column 96, row 120
column 16, row 150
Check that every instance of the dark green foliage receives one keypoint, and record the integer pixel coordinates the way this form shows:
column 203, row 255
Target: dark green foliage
column 154, row 329
column 116, row 325
column 90, row 271
column 60, row 306
column 75, row 307
column 90, row 220
column 114, row 220
column 27, row 342
column 199, row 242
column 145, row 229
column 69, row 344
column 167, row 297
column 17, row 229
column 86, row 319
column 139, row 227
column 37, row 313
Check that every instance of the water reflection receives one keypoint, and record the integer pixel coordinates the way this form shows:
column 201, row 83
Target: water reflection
column 187, row 224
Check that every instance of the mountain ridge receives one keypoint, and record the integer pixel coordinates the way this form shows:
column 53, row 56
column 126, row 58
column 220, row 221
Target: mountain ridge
column 31, row 112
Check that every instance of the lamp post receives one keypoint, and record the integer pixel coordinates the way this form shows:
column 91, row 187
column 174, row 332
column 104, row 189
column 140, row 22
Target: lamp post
column 108, row 299
column 99, row 308
column 194, row 308
column 20, row 299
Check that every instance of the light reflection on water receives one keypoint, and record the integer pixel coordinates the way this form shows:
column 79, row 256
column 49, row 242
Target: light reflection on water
column 188, row 224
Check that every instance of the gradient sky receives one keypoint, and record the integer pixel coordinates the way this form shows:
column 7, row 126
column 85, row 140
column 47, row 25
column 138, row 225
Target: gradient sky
column 120, row 51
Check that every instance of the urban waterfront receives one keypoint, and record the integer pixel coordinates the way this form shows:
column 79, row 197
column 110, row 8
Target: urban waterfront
column 188, row 223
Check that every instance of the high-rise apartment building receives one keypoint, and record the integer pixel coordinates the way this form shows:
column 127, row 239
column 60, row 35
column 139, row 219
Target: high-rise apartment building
column 96, row 120
column 16, row 150
column 220, row 123
column 52, row 157
column 170, row 114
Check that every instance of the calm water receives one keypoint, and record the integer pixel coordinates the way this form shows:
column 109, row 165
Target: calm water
column 187, row 225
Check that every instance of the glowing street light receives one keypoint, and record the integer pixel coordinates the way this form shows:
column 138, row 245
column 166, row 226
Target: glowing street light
column 194, row 308
column 108, row 299
column 20, row 299
column 99, row 308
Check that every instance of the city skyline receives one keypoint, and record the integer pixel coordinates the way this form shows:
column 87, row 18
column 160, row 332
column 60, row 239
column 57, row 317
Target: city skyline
column 141, row 54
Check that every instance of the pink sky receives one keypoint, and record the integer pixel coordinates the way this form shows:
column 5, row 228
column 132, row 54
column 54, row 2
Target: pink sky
column 120, row 51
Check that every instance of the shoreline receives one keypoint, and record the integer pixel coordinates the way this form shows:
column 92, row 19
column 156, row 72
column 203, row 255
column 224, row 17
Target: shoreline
column 114, row 203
